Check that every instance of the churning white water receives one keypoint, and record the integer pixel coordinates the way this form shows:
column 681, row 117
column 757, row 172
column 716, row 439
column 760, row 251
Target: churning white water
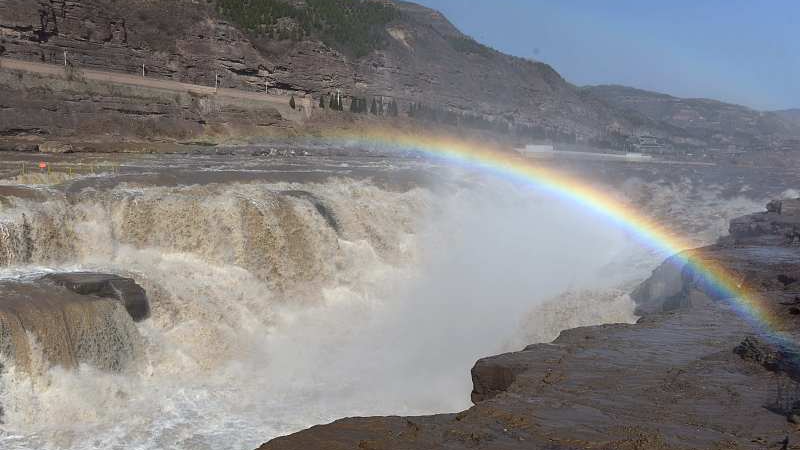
column 279, row 306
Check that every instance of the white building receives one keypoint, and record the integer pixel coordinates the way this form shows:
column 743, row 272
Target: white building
column 536, row 149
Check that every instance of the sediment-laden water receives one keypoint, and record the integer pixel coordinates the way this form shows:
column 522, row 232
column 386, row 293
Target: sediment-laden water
column 292, row 293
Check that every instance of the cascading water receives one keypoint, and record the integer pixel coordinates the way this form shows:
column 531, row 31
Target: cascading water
column 276, row 306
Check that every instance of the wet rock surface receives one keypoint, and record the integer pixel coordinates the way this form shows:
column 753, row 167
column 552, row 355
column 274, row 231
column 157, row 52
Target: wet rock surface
column 124, row 290
column 70, row 319
column 779, row 225
column 692, row 373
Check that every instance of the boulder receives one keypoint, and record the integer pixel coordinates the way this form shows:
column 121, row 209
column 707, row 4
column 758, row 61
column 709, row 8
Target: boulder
column 55, row 147
column 494, row 375
column 124, row 290
column 43, row 323
column 675, row 284
column 773, row 356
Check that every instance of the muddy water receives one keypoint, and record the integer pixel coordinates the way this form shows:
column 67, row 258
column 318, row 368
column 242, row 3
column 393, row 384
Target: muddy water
column 292, row 290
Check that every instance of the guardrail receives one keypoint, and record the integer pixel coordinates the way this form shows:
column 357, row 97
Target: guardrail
column 69, row 169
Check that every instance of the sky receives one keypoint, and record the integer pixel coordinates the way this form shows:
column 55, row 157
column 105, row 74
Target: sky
column 741, row 51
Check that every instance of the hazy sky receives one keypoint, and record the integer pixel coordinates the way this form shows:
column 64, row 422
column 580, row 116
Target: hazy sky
column 743, row 51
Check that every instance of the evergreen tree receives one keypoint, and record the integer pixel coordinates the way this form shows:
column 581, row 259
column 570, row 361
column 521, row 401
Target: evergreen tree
column 374, row 109
column 333, row 105
column 292, row 104
column 393, row 108
column 322, row 101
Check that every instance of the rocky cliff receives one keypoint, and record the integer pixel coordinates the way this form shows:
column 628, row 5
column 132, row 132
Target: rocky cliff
column 423, row 59
column 413, row 56
column 692, row 373
column 37, row 108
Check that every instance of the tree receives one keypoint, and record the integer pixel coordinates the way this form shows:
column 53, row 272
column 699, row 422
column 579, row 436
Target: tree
column 292, row 104
column 332, row 104
column 322, row 101
column 393, row 108
column 374, row 109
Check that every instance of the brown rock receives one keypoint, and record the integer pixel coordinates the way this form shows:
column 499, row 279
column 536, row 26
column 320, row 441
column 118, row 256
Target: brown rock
column 123, row 290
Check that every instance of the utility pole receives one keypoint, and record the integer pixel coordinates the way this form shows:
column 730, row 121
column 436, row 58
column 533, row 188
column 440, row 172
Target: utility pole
column 65, row 58
column 143, row 75
column 216, row 81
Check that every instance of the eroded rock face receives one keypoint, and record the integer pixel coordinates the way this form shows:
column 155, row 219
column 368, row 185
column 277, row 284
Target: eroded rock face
column 43, row 323
column 73, row 114
column 779, row 225
column 761, row 251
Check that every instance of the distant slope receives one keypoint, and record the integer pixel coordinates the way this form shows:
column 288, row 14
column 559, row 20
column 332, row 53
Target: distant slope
column 713, row 122
column 791, row 118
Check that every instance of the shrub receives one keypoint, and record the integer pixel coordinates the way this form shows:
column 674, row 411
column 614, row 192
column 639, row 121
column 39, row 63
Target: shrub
column 355, row 27
column 469, row 45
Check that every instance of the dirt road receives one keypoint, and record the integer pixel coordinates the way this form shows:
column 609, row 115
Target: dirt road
column 279, row 101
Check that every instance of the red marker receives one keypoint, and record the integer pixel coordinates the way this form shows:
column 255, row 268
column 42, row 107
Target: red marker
column 43, row 165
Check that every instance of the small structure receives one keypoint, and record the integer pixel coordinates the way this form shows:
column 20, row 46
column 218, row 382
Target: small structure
column 536, row 149
column 648, row 144
column 637, row 157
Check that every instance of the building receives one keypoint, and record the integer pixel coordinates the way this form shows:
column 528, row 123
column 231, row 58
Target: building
column 648, row 144
column 536, row 149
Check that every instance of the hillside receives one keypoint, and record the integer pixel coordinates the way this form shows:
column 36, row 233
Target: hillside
column 394, row 52
column 790, row 116
column 719, row 124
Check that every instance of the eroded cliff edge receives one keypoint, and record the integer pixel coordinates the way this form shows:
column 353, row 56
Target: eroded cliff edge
column 694, row 372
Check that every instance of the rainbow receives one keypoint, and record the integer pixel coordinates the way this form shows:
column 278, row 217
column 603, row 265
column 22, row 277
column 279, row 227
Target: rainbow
column 508, row 165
